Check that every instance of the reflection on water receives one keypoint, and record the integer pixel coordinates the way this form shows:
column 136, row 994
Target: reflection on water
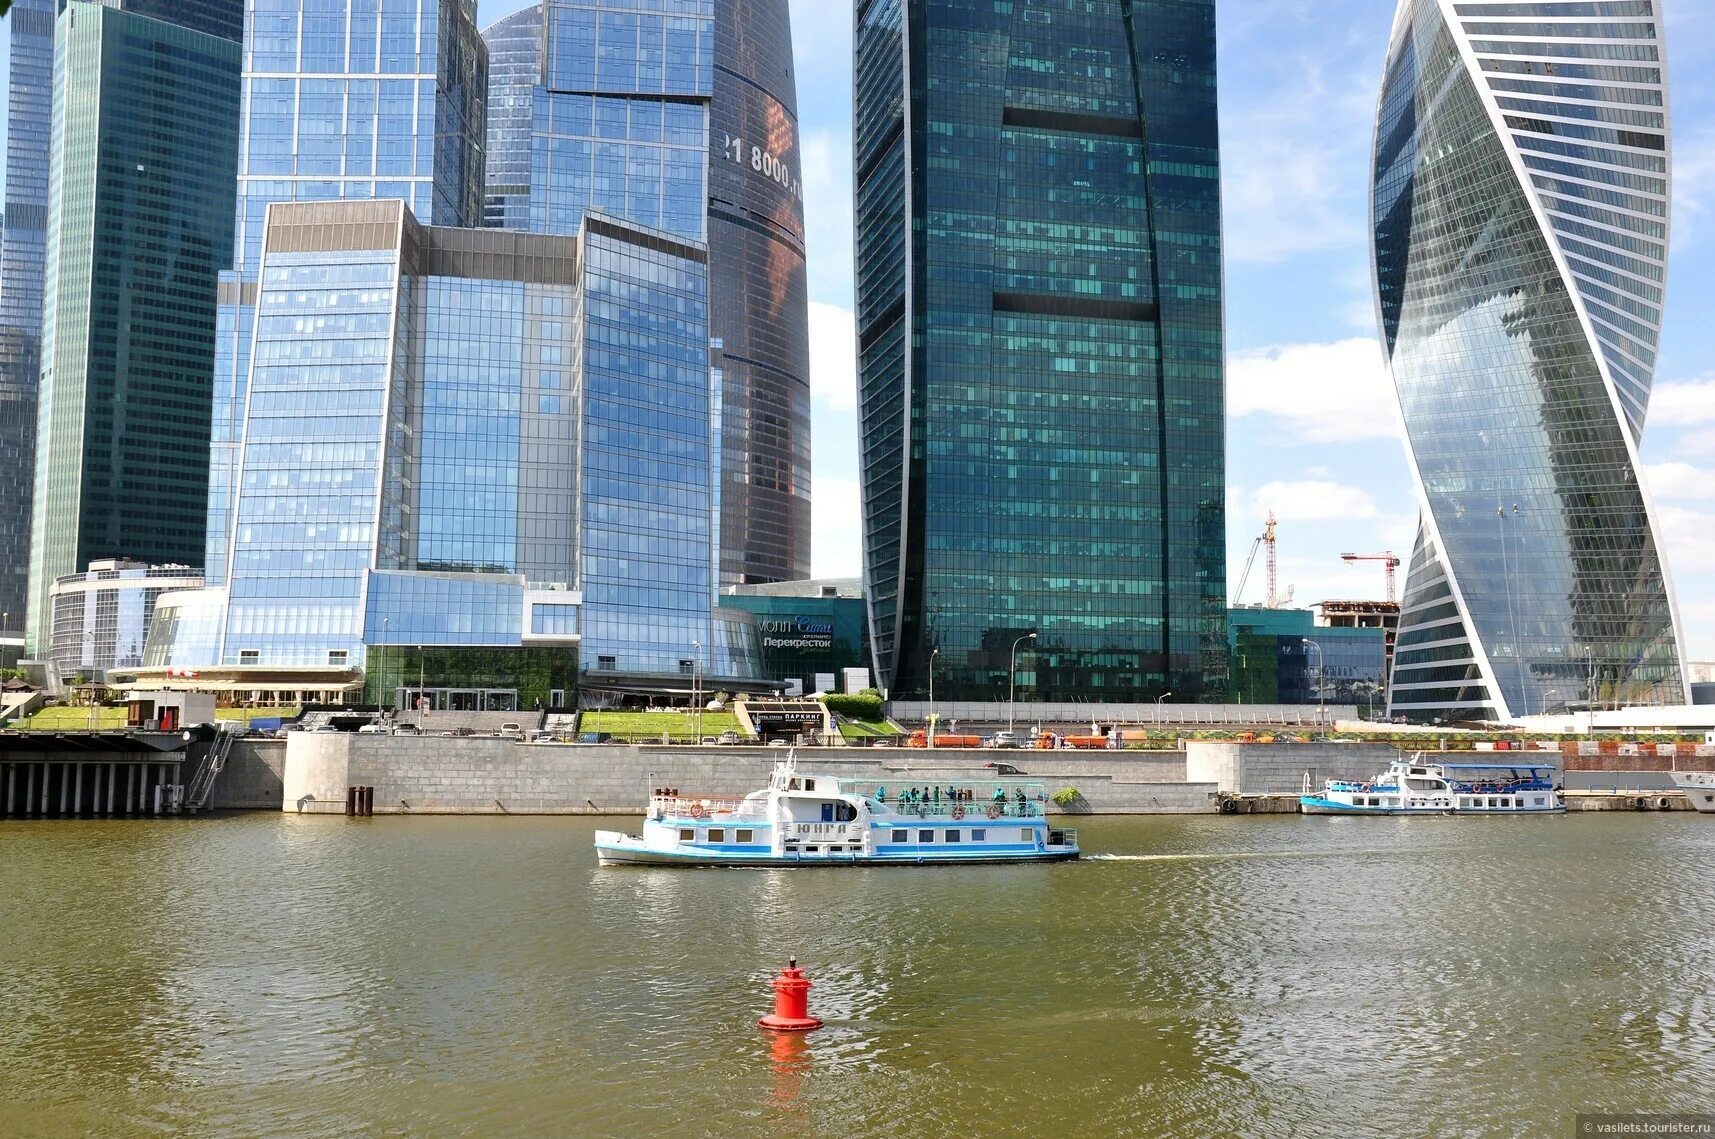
column 310, row 976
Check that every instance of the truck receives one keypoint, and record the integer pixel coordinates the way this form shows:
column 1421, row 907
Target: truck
column 920, row 738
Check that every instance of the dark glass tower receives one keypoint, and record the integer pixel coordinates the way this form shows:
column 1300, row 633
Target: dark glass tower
column 1520, row 208
column 30, row 104
column 682, row 115
column 143, row 151
column 1040, row 357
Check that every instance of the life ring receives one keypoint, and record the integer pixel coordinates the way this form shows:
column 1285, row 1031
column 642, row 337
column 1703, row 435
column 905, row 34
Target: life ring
column 994, row 810
column 958, row 812
column 698, row 811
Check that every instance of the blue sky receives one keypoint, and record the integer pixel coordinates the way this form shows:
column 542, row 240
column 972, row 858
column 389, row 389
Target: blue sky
column 1312, row 432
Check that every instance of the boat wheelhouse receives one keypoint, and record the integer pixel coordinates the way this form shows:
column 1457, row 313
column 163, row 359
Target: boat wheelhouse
column 1413, row 787
column 806, row 819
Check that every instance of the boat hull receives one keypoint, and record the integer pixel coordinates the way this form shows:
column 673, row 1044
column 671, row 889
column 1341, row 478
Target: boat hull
column 622, row 853
column 1698, row 788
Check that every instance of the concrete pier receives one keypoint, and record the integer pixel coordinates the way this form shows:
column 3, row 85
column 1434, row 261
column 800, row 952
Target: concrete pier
column 90, row 774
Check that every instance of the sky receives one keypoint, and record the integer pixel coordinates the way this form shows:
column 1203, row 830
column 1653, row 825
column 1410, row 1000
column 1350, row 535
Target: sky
column 1312, row 427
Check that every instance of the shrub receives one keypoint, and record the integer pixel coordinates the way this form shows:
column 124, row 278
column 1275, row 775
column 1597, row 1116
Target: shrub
column 865, row 705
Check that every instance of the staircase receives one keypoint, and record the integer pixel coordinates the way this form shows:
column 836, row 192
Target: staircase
column 202, row 783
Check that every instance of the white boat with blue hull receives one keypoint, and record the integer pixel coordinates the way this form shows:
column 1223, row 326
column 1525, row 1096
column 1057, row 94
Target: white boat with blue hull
column 804, row 819
column 1412, row 787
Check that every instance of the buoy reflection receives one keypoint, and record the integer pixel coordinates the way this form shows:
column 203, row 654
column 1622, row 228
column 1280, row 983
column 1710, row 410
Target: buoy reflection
column 790, row 1053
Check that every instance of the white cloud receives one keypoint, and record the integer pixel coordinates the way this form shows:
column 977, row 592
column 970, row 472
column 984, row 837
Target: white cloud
column 1679, row 403
column 1679, row 481
column 833, row 356
column 1315, row 393
column 826, row 162
column 836, row 528
column 1693, row 186
column 1313, row 500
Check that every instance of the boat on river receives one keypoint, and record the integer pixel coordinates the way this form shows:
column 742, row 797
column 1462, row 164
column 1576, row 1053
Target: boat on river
column 1699, row 788
column 1413, row 787
column 808, row 819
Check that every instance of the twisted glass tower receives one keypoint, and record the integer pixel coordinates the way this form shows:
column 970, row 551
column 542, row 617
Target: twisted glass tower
column 1520, row 223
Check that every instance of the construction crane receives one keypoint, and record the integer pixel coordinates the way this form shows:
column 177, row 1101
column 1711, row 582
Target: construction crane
column 1266, row 538
column 1388, row 557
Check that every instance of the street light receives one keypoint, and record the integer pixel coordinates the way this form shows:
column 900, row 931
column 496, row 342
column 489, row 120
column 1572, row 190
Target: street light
column 697, row 687
column 1012, row 682
column 1158, row 701
column 89, row 661
column 932, row 656
column 1321, row 695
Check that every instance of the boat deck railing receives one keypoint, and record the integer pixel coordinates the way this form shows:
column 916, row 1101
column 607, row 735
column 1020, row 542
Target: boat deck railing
column 968, row 811
column 695, row 806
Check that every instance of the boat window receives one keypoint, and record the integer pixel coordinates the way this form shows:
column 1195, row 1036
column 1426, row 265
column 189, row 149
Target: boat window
column 845, row 813
column 812, row 850
column 901, row 836
column 1537, row 800
column 686, row 834
column 925, row 836
column 809, row 784
column 744, row 836
column 952, row 836
column 1390, row 801
column 716, row 834
column 979, row 836
column 1026, row 834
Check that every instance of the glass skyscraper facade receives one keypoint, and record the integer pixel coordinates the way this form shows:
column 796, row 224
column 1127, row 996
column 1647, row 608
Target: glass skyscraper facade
column 23, row 255
column 1520, row 211
column 343, row 100
column 470, row 451
column 140, row 201
column 1040, row 348
column 681, row 115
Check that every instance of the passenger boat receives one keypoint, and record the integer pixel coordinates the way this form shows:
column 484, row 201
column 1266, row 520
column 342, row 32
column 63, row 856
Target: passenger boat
column 804, row 819
column 1699, row 788
column 1413, row 787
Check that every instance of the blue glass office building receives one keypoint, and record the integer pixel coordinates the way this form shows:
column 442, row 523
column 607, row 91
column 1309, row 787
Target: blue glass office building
column 1040, row 347
column 343, row 100
column 469, row 457
column 139, row 225
column 681, row 115
column 1520, row 210
column 23, row 255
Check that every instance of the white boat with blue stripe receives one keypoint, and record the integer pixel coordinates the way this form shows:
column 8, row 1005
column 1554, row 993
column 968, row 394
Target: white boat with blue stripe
column 805, row 819
column 1412, row 787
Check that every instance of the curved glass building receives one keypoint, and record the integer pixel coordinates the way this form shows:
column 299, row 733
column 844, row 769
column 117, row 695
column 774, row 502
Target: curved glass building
column 1520, row 217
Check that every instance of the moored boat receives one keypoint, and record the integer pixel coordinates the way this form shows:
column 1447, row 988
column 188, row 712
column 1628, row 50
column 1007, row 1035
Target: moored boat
column 805, row 819
column 1413, row 787
column 1699, row 788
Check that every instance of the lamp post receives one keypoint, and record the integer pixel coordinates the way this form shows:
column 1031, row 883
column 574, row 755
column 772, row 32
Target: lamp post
column 1158, row 701
column 1321, row 696
column 1012, row 683
column 89, row 661
column 697, row 687
column 932, row 655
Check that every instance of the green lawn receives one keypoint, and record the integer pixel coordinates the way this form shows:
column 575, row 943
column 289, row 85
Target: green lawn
column 248, row 714
column 646, row 727
column 869, row 729
column 59, row 719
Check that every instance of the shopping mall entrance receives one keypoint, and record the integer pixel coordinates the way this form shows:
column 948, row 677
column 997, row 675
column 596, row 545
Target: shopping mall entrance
column 456, row 699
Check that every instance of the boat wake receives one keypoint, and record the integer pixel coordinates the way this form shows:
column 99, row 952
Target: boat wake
column 1218, row 856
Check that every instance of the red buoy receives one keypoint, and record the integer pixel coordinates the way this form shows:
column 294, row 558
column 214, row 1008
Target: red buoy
column 791, row 1002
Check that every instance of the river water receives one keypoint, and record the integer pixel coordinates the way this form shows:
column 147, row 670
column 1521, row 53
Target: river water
column 274, row 975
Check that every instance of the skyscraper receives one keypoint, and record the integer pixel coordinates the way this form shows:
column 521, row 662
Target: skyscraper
column 23, row 254
column 682, row 115
column 349, row 100
column 139, row 224
column 1520, row 211
column 1040, row 347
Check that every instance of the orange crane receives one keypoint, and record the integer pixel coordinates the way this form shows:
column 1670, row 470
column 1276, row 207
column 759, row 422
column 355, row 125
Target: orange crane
column 1266, row 538
column 1386, row 556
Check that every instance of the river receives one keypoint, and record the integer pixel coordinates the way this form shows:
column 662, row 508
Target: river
column 275, row 975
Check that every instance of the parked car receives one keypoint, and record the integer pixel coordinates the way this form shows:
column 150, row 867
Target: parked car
column 1004, row 768
column 595, row 738
column 1003, row 739
column 373, row 730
